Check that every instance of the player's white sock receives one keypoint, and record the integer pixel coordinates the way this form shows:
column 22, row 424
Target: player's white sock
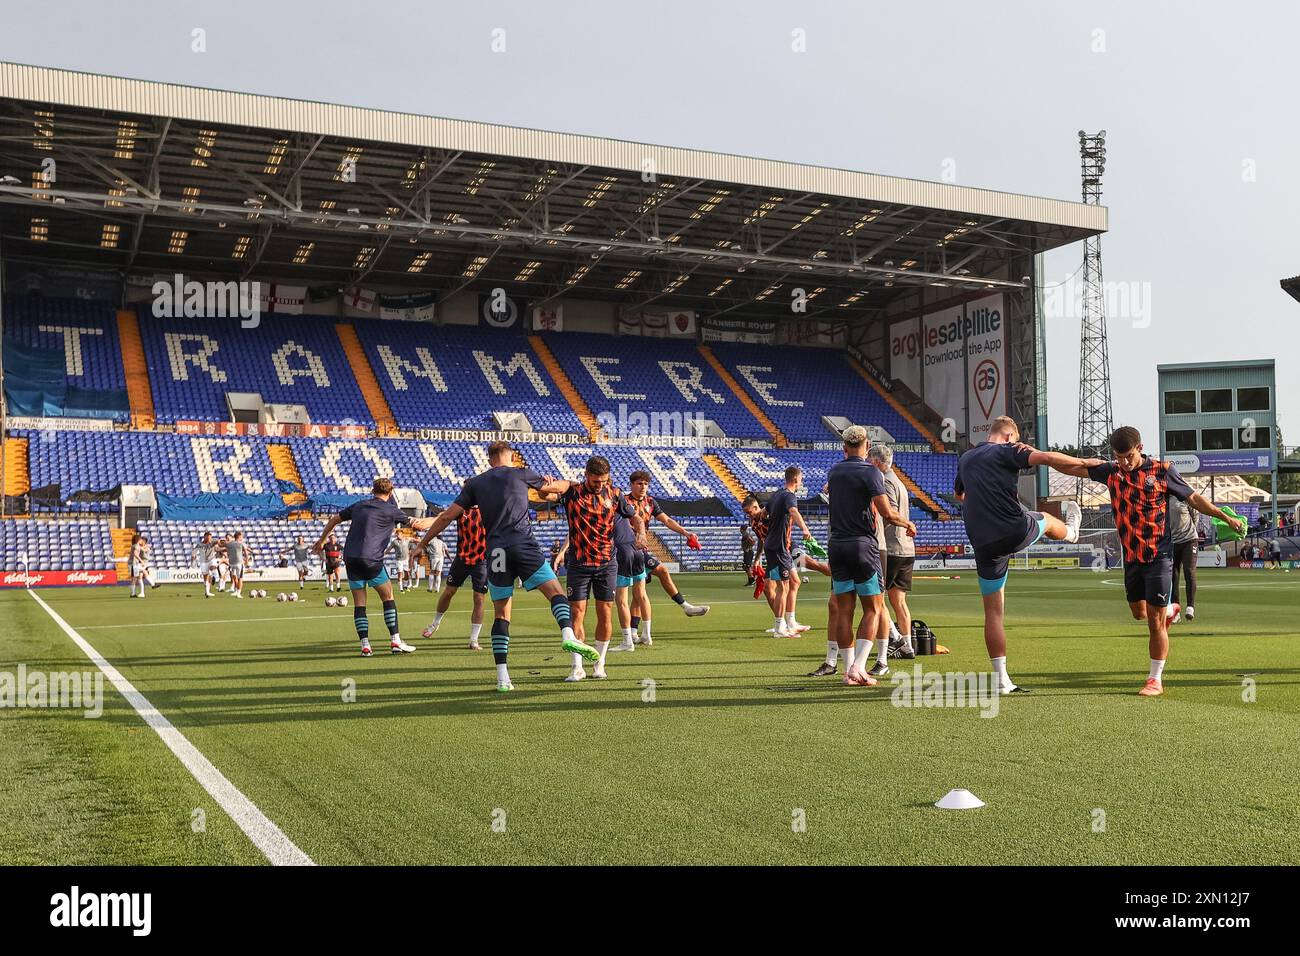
column 1157, row 670
column 789, row 620
column 860, row 648
column 577, row 661
column 645, row 629
column 1000, row 672
column 503, row 675
column 567, row 634
column 893, row 632
column 846, row 653
column 780, row 623
column 628, row 634
column 601, row 648
column 832, row 652
column 474, row 631
column 207, row 588
column 882, row 650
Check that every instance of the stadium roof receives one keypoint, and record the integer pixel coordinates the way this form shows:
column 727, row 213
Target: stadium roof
column 1291, row 287
column 155, row 177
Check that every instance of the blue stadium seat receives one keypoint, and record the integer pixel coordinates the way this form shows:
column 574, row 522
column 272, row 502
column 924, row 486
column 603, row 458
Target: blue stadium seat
column 796, row 386
column 623, row 377
column 297, row 359
column 456, row 376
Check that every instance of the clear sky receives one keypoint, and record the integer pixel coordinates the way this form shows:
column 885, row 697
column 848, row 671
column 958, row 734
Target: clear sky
column 1201, row 103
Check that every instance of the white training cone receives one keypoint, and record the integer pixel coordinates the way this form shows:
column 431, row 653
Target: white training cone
column 960, row 800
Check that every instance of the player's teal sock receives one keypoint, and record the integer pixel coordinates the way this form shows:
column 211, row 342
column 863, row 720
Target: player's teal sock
column 561, row 612
column 636, row 623
column 679, row 598
column 361, row 622
column 500, row 640
column 390, row 617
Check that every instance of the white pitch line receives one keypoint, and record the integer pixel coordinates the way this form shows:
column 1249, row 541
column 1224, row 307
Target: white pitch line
column 266, row 836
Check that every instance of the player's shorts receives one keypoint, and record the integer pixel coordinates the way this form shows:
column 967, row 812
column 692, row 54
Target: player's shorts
column 237, row 570
column 477, row 573
column 524, row 561
column 855, row 566
column 780, row 563
column 213, row 567
column 630, row 561
column 1150, row 581
column 303, row 567
column 599, row 582
column 365, row 574
column 898, row 571
column 331, row 567
column 992, row 561
column 650, row 562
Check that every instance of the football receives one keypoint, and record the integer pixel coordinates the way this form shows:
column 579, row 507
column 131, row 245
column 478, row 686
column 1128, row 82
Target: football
column 282, row 597
column 343, row 601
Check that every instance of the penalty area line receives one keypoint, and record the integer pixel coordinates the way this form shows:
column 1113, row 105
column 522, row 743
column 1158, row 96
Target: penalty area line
column 266, row 836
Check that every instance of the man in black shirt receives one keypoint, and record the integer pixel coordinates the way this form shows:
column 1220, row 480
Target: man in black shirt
column 373, row 521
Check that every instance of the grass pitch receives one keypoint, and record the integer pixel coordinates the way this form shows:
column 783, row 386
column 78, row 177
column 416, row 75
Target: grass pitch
column 430, row 766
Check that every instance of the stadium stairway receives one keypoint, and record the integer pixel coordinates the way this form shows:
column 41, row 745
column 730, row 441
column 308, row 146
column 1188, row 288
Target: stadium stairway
column 285, row 468
column 138, row 390
column 778, row 438
column 565, row 385
column 17, row 476
column 919, row 495
column 658, row 548
column 726, row 476
column 385, row 422
column 121, row 551
column 895, row 403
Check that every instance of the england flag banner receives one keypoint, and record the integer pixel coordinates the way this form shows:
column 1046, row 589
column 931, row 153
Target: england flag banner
column 362, row 299
column 282, row 299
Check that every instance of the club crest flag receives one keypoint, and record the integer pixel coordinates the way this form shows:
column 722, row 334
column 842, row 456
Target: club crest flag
column 548, row 318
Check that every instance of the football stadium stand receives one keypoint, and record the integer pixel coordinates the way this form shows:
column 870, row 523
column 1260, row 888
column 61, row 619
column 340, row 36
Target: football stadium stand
column 173, row 464
column 62, row 358
column 795, row 387
column 621, row 378
column 456, row 377
column 55, row 546
column 195, row 363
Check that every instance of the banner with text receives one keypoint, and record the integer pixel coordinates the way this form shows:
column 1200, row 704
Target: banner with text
column 756, row 331
column 956, row 359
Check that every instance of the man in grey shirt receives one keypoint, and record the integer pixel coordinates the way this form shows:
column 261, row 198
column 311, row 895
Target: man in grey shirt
column 301, row 552
column 1183, row 538
column 899, row 550
column 401, row 551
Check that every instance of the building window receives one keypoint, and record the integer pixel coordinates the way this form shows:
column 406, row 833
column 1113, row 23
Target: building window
column 1216, row 439
column 1180, row 403
column 1252, row 399
column 1216, row 400
column 1256, row 437
column 1183, row 439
